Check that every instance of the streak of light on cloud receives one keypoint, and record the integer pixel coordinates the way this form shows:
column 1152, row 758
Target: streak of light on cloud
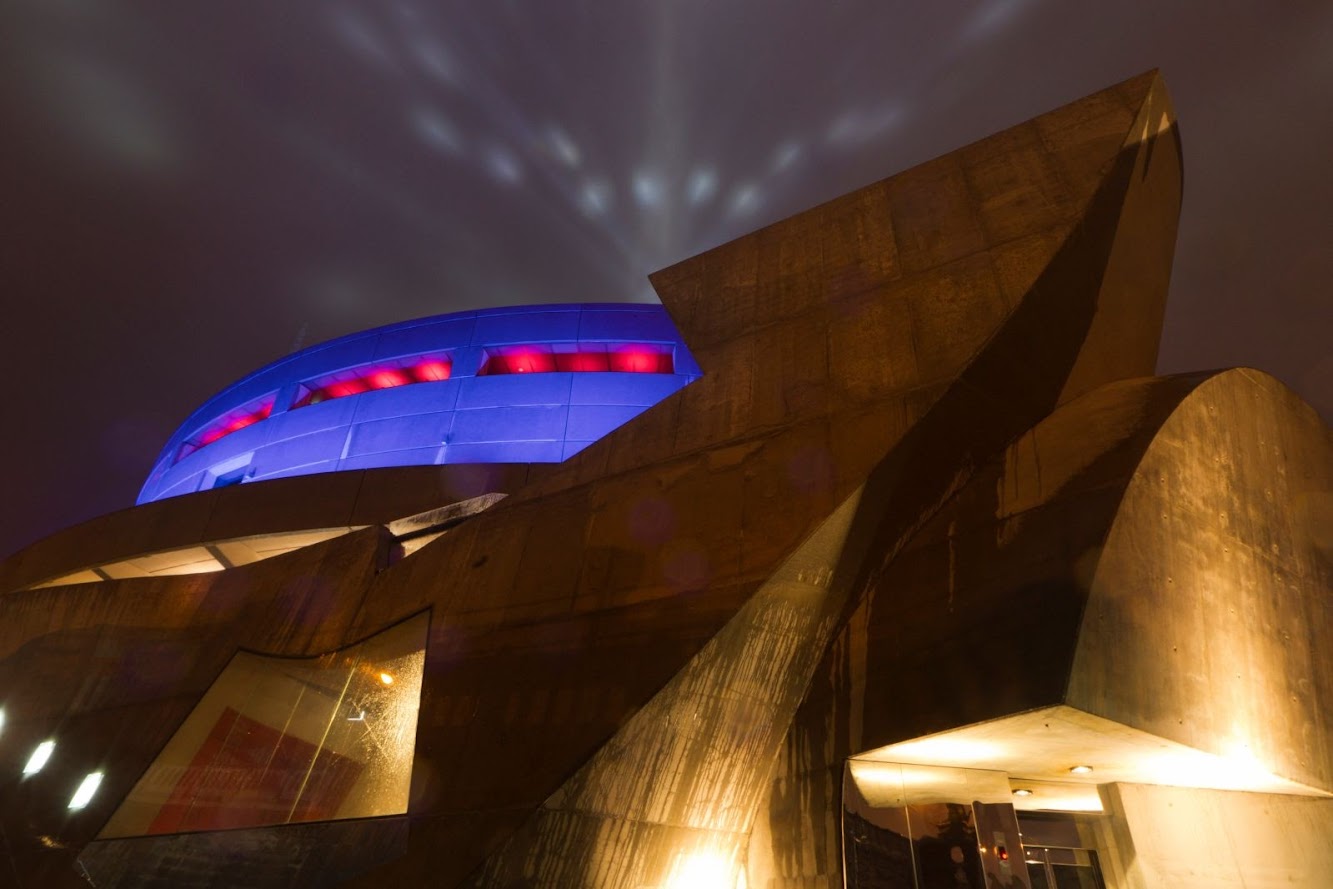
column 436, row 130
column 702, row 185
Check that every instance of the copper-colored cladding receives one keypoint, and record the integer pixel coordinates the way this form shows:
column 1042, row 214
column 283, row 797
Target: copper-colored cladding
column 839, row 537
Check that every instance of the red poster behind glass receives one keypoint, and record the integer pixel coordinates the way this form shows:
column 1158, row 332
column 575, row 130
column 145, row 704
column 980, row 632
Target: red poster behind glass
column 248, row 774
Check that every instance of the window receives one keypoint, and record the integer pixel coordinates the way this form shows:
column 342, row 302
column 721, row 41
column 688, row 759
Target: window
column 232, row 421
column 282, row 740
column 370, row 377
column 653, row 358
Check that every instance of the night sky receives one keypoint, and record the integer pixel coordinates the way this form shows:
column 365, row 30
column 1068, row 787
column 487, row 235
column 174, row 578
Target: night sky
column 192, row 190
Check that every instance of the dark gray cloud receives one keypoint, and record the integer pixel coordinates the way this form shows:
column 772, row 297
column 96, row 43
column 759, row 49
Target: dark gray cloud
column 190, row 191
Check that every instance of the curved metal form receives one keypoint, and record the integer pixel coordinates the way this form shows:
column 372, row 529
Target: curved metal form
column 530, row 384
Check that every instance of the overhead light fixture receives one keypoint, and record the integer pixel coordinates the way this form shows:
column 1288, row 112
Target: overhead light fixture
column 84, row 794
column 386, row 678
column 1022, row 791
column 1080, row 770
column 39, row 757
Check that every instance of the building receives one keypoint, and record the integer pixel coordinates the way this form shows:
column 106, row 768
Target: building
column 917, row 578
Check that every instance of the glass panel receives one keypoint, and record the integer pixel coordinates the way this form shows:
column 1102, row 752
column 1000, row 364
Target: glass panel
column 281, row 740
column 944, row 844
column 1069, row 876
column 877, row 846
column 958, row 825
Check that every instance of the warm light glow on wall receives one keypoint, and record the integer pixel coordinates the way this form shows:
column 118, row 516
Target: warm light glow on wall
column 942, row 750
column 703, row 869
column 1067, row 747
column 1236, row 769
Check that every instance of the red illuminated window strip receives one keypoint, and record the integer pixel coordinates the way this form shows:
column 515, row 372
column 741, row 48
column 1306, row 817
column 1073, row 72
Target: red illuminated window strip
column 368, row 379
column 233, row 421
column 627, row 359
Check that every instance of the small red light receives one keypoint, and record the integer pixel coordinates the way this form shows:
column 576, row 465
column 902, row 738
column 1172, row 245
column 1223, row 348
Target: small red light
column 1002, row 852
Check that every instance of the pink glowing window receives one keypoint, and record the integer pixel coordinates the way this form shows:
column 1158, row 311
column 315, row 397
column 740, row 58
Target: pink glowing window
column 652, row 358
column 371, row 377
column 232, row 421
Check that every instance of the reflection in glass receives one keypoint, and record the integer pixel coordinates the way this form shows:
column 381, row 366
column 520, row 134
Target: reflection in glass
column 929, row 827
column 282, row 740
column 1054, row 852
column 87, row 789
column 40, row 754
column 944, row 845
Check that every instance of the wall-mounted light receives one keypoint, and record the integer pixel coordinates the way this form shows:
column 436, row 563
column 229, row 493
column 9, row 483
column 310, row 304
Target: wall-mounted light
column 39, row 757
column 87, row 788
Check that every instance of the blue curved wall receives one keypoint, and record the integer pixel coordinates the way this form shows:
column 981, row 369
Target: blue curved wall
column 282, row 419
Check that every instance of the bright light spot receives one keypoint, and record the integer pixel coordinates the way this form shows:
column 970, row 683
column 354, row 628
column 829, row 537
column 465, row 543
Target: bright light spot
column 1237, row 769
column 386, row 678
column 39, row 757
column 503, row 166
column 84, row 794
column 787, row 154
column 2, row 719
column 947, row 751
column 744, row 199
column 437, row 131
column 564, row 147
column 595, row 197
column 1022, row 791
column 1080, row 770
column 647, row 189
column 701, row 186
column 702, row 870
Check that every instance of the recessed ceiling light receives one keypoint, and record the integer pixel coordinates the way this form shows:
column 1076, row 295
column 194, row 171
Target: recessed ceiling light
column 1080, row 770
column 1022, row 791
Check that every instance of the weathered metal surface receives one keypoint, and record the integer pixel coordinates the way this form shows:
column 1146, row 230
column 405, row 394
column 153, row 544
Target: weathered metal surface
column 1209, row 619
column 909, row 445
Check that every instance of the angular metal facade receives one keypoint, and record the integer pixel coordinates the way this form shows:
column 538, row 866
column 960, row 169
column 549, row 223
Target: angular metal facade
column 927, row 484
